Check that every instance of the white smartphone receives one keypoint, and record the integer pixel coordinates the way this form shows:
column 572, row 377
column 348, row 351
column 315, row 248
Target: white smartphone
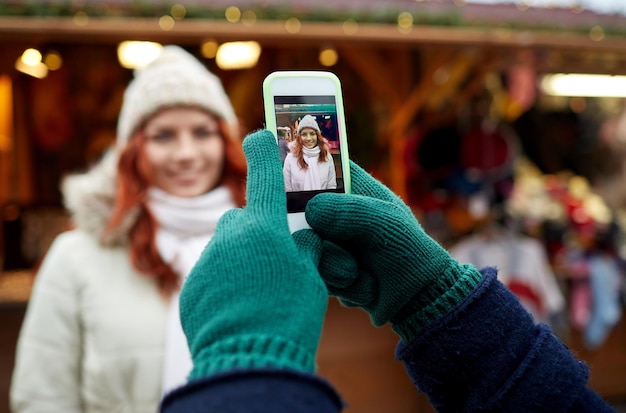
column 304, row 110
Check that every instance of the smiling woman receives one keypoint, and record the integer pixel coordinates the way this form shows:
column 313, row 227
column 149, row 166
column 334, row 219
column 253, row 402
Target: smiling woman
column 184, row 151
column 108, row 290
column 309, row 166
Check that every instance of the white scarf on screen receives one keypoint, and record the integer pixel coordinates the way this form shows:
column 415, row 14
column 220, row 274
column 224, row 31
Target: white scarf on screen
column 185, row 227
column 312, row 179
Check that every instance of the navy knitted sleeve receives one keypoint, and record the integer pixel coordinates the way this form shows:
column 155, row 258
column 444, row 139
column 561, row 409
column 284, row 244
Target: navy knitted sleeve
column 488, row 355
column 254, row 391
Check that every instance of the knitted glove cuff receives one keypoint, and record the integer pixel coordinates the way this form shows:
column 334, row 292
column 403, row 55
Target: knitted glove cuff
column 456, row 283
column 252, row 351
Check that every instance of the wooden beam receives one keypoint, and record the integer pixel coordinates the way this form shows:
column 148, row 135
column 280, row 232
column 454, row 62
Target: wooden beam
column 457, row 72
column 412, row 104
column 403, row 68
column 403, row 115
column 112, row 30
column 374, row 70
column 488, row 63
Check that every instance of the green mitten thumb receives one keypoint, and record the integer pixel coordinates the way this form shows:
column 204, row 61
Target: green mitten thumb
column 339, row 269
column 254, row 298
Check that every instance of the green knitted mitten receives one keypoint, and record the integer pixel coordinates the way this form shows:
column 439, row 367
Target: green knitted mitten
column 254, row 298
column 378, row 257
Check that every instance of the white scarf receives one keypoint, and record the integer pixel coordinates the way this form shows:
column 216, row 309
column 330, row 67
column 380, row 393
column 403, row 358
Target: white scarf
column 312, row 179
column 185, row 227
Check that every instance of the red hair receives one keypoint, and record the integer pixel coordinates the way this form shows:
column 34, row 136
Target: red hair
column 321, row 142
column 133, row 181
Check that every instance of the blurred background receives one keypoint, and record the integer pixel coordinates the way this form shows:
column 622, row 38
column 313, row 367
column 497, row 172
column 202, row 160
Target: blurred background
column 492, row 120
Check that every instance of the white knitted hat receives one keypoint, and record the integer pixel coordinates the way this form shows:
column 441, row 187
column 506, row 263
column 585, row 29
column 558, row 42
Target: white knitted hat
column 174, row 78
column 308, row 121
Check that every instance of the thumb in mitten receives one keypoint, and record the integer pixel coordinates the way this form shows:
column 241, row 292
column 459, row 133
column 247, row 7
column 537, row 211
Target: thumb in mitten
column 339, row 270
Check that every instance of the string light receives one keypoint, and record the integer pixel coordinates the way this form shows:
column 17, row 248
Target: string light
column 134, row 54
column 30, row 63
column 328, row 57
column 583, row 85
column 238, row 55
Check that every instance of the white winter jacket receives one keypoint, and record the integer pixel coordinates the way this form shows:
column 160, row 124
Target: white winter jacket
column 93, row 335
column 295, row 176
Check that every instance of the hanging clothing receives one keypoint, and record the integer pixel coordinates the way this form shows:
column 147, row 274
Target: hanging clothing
column 522, row 265
column 605, row 282
column 580, row 287
column 596, row 282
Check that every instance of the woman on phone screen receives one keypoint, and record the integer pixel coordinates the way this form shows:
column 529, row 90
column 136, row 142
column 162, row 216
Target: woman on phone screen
column 309, row 166
column 102, row 331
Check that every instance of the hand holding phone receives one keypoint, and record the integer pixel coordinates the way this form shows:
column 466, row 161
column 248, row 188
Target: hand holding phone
column 304, row 111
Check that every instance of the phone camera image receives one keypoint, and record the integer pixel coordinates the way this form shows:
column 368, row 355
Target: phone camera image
column 310, row 145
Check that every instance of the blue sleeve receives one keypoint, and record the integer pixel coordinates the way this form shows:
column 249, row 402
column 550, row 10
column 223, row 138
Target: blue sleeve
column 488, row 355
column 255, row 391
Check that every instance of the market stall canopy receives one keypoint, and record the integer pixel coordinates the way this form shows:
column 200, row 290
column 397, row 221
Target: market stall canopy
column 397, row 21
column 422, row 60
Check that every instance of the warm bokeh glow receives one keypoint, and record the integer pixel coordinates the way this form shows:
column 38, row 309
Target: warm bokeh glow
column 405, row 22
column 293, row 25
column 238, row 55
column 31, row 57
column 209, row 49
column 248, row 18
column 132, row 54
column 350, row 26
column 6, row 113
column 53, row 60
column 584, row 85
column 328, row 57
column 30, row 63
column 232, row 14
column 166, row 23
column 178, row 11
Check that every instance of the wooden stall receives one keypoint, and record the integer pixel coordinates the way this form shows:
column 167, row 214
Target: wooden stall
column 400, row 80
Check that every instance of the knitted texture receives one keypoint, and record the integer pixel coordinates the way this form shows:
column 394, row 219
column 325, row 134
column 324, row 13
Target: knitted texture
column 308, row 121
column 254, row 299
column 174, row 78
column 255, row 391
column 378, row 257
column 489, row 356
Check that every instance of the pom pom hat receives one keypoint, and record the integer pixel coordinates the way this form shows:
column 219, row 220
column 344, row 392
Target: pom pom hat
column 308, row 121
column 175, row 78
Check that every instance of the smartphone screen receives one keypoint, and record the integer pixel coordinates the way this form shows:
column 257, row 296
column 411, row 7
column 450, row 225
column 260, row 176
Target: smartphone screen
column 309, row 139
